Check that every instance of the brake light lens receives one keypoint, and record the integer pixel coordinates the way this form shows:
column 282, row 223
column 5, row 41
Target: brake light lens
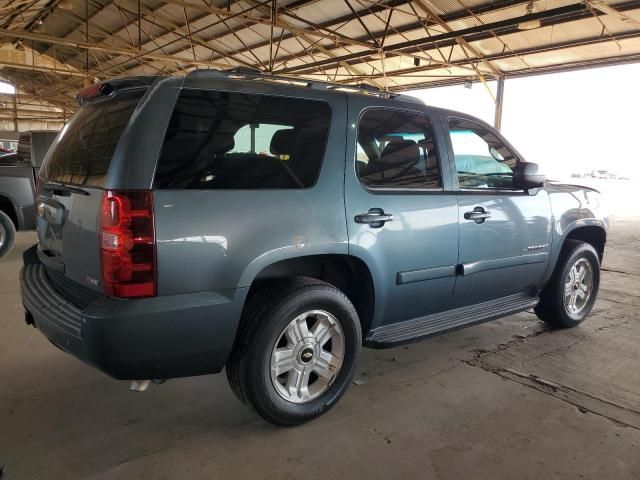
column 128, row 244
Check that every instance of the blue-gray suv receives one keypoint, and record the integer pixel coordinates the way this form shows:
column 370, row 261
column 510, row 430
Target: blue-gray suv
column 273, row 226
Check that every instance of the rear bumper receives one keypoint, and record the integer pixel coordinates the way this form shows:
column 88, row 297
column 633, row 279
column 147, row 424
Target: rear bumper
column 161, row 337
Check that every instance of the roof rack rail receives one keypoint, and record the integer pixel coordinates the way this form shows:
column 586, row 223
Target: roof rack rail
column 247, row 73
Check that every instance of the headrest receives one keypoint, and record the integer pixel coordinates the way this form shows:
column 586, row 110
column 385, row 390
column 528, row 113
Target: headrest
column 283, row 142
column 222, row 142
column 404, row 152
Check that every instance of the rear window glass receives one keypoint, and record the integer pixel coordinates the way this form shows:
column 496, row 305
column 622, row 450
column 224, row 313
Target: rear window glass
column 84, row 149
column 223, row 140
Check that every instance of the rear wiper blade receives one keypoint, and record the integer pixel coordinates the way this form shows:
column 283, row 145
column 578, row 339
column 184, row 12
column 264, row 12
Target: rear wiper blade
column 63, row 190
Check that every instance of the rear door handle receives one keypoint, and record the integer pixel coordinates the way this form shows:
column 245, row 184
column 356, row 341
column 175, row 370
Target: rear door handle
column 478, row 215
column 375, row 217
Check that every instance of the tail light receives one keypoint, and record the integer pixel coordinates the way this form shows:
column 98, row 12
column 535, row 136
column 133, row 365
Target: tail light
column 128, row 244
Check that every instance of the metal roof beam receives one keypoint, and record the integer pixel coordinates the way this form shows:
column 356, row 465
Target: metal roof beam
column 611, row 10
column 551, row 16
column 230, row 30
column 501, row 24
column 419, row 25
column 336, row 38
column 565, row 67
column 130, row 52
column 417, row 72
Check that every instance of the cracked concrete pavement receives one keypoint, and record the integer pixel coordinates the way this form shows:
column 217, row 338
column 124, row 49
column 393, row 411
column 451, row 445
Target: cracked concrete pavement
column 507, row 399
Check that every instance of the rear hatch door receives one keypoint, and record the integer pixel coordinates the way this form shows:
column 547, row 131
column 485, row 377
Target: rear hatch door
column 71, row 187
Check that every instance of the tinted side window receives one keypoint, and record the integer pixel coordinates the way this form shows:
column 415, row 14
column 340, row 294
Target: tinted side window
column 223, row 140
column 482, row 160
column 397, row 150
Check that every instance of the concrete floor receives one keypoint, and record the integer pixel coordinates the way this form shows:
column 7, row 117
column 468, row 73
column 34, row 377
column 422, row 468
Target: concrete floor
column 507, row 399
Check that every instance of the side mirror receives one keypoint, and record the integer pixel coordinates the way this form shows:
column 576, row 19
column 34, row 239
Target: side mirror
column 527, row 175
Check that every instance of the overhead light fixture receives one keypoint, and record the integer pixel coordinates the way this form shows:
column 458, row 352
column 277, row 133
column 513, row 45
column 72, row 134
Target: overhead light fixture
column 18, row 46
column 529, row 24
column 65, row 5
column 468, row 84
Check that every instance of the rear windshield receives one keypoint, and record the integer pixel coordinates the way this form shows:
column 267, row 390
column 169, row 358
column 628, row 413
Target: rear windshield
column 223, row 140
column 86, row 144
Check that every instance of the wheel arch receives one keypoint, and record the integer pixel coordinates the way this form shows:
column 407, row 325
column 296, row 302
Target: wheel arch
column 594, row 235
column 590, row 230
column 348, row 273
column 7, row 206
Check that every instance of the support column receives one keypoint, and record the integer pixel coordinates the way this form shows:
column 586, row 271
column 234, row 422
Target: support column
column 497, row 122
column 15, row 110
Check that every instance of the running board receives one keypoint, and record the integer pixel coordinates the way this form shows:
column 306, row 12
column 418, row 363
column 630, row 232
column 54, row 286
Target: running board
column 436, row 323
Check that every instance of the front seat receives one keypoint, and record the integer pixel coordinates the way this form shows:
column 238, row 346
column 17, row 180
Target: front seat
column 397, row 165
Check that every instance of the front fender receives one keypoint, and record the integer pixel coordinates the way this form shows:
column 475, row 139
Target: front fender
column 573, row 207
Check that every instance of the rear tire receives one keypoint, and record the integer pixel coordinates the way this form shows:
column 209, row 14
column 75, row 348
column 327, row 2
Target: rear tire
column 7, row 234
column 296, row 351
column 571, row 292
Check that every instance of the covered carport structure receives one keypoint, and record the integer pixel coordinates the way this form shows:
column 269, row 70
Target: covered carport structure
column 49, row 49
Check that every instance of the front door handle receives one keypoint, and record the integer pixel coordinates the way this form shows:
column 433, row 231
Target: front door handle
column 375, row 217
column 478, row 215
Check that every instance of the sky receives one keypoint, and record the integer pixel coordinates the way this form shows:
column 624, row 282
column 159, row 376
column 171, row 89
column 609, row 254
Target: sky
column 568, row 123
column 7, row 88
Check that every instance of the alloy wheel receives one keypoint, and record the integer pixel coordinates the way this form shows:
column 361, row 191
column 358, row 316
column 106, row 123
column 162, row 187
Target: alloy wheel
column 578, row 286
column 307, row 356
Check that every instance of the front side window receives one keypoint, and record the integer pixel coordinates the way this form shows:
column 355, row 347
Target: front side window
column 396, row 150
column 482, row 160
column 223, row 140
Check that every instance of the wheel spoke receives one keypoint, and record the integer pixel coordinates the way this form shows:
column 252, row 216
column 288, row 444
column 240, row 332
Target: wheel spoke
column 327, row 365
column 574, row 299
column 282, row 361
column 323, row 331
column 581, row 273
column 568, row 288
column 581, row 293
column 297, row 331
column 298, row 384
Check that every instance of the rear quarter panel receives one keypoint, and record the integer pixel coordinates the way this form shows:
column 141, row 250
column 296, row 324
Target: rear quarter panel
column 221, row 239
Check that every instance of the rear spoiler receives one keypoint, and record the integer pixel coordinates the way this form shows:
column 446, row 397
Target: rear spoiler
column 108, row 88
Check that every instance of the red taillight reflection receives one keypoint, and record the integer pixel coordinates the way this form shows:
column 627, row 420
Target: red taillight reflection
column 128, row 244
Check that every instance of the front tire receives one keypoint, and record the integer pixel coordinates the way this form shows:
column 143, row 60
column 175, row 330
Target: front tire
column 296, row 352
column 571, row 293
column 7, row 234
